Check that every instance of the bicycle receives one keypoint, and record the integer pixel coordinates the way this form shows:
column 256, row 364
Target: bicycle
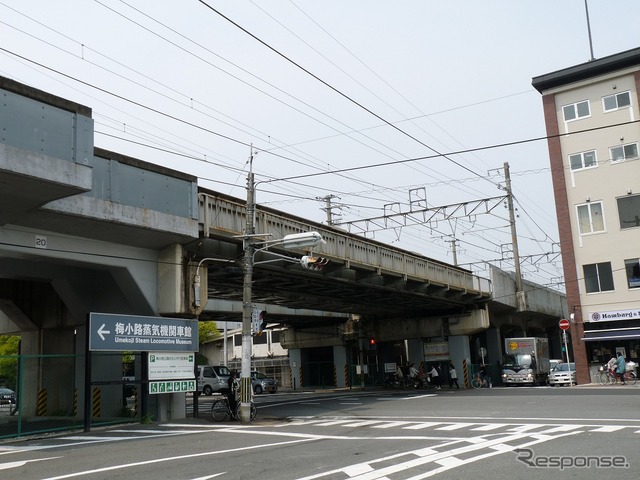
column 220, row 410
column 630, row 377
column 607, row 377
column 479, row 381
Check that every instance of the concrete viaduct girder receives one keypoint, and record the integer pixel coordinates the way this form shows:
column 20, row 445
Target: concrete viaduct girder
column 363, row 277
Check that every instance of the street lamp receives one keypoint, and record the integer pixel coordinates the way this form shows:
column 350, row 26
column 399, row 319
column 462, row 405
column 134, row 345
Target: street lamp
column 295, row 240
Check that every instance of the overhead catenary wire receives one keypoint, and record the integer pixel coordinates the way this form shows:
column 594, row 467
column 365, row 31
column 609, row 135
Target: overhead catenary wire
column 287, row 182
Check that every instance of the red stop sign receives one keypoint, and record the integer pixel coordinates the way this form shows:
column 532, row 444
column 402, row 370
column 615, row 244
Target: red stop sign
column 564, row 324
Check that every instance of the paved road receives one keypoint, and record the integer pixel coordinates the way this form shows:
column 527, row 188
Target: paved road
column 541, row 433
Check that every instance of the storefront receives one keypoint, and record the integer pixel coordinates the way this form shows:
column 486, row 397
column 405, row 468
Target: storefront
column 608, row 333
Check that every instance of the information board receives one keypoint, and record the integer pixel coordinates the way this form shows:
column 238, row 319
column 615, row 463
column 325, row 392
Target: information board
column 123, row 333
column 171, row 366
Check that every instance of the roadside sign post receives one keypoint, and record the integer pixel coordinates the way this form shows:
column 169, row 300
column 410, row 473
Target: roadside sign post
column 173, row 342
column 483, row 353
column 564, row 326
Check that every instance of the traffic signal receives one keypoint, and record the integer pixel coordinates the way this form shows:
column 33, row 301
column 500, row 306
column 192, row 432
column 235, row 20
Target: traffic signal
column 313, row 263
column 372, row 343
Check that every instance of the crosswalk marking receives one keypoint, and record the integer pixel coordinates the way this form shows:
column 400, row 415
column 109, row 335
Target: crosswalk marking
column 391, row 424
column 455, row 426
column 537, row 429
column 332, row 422
column 561, row 428
column 489, row 427
column 420, row 426
column 361, row 423
column 608, row 428
column 524, row 428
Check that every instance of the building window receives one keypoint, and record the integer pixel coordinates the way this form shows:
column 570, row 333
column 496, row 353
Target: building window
column 576, row 111
column 583, row 160
column 598, row 277
column 623, row 152
column 237, row 340
column 590, row 219
column 614, row 102
column 260, row 339
column 629, row 211
column 632, row 267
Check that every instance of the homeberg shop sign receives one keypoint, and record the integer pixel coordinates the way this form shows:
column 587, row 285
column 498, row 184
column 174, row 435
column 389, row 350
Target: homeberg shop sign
column 137, row 333
column 614, row 315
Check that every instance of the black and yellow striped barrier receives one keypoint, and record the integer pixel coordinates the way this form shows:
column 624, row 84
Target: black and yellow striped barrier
column 41, row 410
column 465, row 370
column 96, row 402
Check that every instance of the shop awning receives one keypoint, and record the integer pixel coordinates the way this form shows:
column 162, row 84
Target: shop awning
column 612, row 334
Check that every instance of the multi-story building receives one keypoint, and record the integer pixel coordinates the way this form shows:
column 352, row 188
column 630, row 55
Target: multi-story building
column 592, row 118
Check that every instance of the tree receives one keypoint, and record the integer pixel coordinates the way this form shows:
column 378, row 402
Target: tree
column 207, row 331
column 9, row 360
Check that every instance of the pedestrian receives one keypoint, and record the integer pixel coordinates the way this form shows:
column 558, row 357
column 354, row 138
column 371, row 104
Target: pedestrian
column 453, row 376
column 413, row 371
column 435, row 377
column 621, row 367
column 399, row 374
column 233, row 391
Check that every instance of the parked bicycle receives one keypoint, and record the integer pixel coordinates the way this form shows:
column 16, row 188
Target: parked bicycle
column 607, row 377
column 220, row 410
column 479, row 381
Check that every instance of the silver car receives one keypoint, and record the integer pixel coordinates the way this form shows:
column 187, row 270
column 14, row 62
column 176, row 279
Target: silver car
column 7, row 396
column 560, row 374
column 261, row 383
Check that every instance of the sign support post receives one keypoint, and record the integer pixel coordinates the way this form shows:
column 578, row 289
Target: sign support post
column 564, row 325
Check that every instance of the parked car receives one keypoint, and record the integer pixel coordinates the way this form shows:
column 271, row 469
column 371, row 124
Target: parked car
column 553, row 362
column 560, row 374
column 213, row 379
column 261, row 383
column 7, row 396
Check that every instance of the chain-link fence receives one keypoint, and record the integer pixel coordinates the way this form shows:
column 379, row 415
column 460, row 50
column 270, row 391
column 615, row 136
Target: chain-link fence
column 45, row 393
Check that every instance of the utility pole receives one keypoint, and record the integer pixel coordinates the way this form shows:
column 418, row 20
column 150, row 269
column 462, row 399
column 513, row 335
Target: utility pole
column 586, row 9
column 454, row 250
column 247, row 309
column 520, row 298
column 328, row 208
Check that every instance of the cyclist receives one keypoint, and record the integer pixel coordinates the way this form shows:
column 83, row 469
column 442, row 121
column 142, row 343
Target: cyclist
column 611, row 366
column 621, row 367
column 484, row 376
column 234, row 389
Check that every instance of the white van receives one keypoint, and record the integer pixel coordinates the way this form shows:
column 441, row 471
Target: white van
column 213, row 379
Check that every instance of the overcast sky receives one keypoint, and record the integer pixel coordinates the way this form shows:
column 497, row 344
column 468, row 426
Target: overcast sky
column 376, row 104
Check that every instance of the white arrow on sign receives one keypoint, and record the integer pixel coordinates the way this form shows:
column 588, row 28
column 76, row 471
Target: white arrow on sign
column 102, row 331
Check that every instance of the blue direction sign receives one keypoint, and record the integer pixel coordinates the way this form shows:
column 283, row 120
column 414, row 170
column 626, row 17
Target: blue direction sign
column 125, row 333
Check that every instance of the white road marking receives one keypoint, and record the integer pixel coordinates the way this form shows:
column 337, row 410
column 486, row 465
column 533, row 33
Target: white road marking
column 361, row 423
column 391, row 424
column 608, row 428
column 455, row 426
column 488, row 427
column 446, row 458
column 22, row 463
column 171, row 459
column 525, row 428
column 561, row 428
column 332, row 422
column 421, row 425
